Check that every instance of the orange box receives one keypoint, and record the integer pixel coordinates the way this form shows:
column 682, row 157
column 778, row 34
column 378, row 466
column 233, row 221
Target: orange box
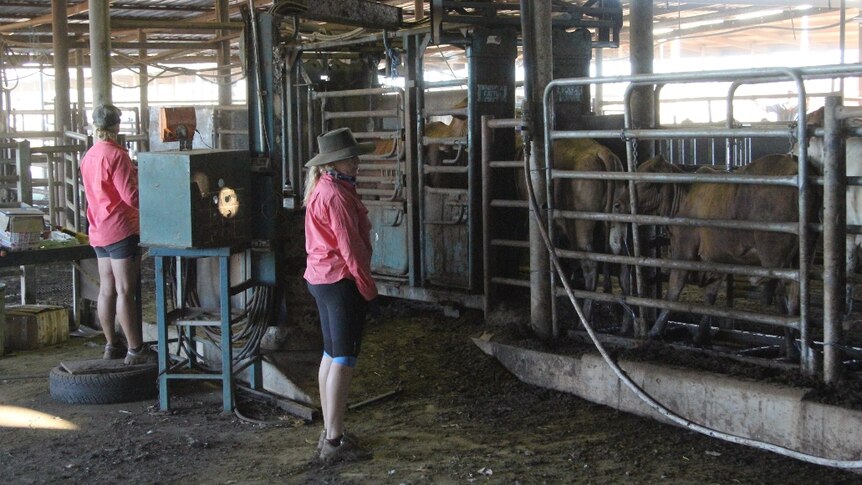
column 177, row 124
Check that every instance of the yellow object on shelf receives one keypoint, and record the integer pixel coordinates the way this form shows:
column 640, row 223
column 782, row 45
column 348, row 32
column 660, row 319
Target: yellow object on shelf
column 79, row 236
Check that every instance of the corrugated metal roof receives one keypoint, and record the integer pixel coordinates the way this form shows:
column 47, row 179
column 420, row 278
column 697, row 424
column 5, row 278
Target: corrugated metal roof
column 703, row 26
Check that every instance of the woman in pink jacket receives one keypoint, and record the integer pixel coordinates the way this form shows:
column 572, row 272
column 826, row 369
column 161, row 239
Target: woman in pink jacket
column 338, row 275
column 111, row 186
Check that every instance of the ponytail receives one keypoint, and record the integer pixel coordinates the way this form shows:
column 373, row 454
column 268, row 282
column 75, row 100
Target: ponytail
column 311, row 180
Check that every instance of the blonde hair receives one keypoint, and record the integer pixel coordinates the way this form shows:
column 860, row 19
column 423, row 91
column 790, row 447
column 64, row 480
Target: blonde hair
column 106, row 134
column 311, row 179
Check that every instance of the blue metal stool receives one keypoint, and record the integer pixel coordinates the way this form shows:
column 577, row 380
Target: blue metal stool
column 186, row 317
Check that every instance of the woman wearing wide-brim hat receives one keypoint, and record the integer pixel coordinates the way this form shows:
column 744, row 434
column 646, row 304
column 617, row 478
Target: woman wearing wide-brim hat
column 338, row 275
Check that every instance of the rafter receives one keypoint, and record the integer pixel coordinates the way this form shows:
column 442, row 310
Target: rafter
column 45, row 19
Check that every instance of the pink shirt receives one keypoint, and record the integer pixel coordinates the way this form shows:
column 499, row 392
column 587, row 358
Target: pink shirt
column 111, row 186
column 337, row 236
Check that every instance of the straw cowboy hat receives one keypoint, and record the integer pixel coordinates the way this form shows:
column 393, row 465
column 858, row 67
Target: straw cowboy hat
column 338, row 145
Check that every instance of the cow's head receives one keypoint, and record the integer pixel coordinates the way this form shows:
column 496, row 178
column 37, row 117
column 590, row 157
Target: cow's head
column 652, row 197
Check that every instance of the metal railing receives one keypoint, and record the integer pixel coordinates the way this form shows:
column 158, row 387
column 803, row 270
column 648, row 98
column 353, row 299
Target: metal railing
column 632, row 136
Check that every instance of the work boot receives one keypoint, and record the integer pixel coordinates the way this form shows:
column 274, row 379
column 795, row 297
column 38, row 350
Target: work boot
column 143, row 355
column 346, row 451
column 322, row 440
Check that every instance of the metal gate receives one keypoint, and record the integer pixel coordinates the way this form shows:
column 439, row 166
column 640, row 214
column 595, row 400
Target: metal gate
column 445, row 193
column 381, row 181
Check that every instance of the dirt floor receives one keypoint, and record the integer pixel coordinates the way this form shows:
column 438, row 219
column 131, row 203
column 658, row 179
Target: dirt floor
column 457, row 417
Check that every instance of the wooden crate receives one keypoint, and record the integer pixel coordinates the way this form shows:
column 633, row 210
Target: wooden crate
column 33, row 326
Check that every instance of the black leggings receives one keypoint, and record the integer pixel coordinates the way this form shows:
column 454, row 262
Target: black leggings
column 342, row 315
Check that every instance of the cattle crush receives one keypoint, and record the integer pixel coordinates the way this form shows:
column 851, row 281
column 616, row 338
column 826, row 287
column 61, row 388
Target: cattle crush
column 451, row 221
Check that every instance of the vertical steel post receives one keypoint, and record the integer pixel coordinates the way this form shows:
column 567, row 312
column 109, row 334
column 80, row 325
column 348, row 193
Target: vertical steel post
column 143, row 80
column 572, row 52
column 487, row 143
column 641, row 115
column 808, row 362
column 842, row 39
column 162, row 329
column 491, row 91
column 421, row 159
column 834, row 234
column 60, row 33
column 5, row 107
column 600, row 87
column 642, row 63
column 292, row 139
column 62, row 118
column 538, row 67
column 223, row 55
column 80, row 84
column 412, row 142
column 226, row 348
column 100, row 51
column 23, row 162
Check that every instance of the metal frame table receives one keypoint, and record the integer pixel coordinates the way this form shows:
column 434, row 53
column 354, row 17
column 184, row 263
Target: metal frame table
column 168, row 373
column 26, row 259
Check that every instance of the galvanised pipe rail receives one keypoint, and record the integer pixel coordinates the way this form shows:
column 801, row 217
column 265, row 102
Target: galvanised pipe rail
column 734, row 269
column 356, row 92
column 766, row 226
column 713, row 311
column 711, row 76
column 673, row 133
column 728, row 178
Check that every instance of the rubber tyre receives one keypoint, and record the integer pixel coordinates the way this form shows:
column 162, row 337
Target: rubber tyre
column 110, row 387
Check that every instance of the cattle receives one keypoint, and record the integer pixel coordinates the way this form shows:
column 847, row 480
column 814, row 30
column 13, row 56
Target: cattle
column 724, row 202
column 588, row 195
column 441, row 153
column 853, row 156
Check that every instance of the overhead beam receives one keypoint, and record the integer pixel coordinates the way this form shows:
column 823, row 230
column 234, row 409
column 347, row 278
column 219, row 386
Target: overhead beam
column 763, row 3
column 208, row 44
column 736, row 24
column 174, row 25
column 20, row 42
column 718, row 14
column 44, row 19
column 351, row 12
column 47, row 29
column 19, row 60
column 160, row 7
column 203, row 45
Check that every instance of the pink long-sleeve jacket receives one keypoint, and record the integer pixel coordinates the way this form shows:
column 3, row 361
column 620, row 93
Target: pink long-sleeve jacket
column 111, row 186
column 337, row 236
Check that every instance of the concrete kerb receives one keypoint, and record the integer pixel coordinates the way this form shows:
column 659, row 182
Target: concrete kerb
column 766, row 412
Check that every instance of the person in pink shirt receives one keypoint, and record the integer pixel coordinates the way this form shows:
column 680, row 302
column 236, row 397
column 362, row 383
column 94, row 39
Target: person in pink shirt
column 338, row 275
column 111, row 187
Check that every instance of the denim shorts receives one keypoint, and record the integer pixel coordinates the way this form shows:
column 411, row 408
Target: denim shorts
column 122, row 249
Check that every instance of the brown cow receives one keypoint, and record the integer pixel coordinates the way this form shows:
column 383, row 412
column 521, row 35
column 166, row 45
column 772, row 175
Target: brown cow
column 438, row 154
column 729, row 202
column 585, row 155
column 381, row 183
column 853, row 158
